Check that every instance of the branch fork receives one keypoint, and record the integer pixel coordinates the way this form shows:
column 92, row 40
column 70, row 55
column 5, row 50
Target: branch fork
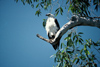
column 74, row 21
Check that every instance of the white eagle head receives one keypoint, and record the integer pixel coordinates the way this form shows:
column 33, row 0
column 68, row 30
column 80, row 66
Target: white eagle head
column 50, row 15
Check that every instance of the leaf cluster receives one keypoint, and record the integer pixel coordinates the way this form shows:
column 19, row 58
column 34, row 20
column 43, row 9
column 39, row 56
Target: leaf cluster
column 40, row 4
column 72, row 54
column 80, row 7
column 60, row 9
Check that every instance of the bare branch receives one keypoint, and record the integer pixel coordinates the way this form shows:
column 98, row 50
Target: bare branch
column 74, row 21
column 43, row 38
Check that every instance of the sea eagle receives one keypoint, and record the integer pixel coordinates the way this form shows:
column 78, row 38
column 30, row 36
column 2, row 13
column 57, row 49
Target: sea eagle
column 52, row 26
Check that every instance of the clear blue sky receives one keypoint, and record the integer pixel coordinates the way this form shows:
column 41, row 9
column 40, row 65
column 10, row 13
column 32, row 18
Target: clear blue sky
column 19, row 46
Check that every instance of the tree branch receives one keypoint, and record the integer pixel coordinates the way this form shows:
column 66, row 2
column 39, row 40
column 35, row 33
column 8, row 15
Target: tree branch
column 43, row 38
column 74, row 21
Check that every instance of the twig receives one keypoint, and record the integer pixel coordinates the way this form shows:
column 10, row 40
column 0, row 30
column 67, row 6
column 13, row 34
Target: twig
column 43, row 38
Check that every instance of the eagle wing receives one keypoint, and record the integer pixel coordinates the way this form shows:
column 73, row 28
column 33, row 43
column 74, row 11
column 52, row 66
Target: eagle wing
column 56, row 21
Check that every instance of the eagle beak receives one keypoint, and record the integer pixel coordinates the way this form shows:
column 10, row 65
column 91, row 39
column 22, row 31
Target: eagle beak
column 48, row 14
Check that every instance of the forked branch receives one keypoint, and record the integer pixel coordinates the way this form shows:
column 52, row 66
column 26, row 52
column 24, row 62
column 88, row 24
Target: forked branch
column 74, row 21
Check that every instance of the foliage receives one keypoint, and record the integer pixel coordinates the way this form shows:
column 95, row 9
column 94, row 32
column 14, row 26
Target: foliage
column 43, row 4
column 76, row 52
column 80, row 7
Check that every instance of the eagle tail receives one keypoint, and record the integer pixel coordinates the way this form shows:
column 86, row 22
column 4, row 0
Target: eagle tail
column 56, row 46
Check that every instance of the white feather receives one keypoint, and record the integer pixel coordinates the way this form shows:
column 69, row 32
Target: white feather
column 51, row 26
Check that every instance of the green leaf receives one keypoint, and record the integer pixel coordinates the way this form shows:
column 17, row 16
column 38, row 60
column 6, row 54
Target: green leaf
column 95, row 44
column 61, row 10
column 82, row 57
column 75, row 59
column 70, row 52
column 23, row 2
column 74, row 37
column 37, row 5
column 81, row 51
column 63, row 52
column 41, row 5
column 87, row 52
column 32, row 5
column 67, row 1
column 60, row 64
column 80, row 33
column 98, row 42
column 58, row 60
column 76, row 42
column 27, row 1
column 96, row 7
column 85, row 47
column 57, row 10
column 44, row 23
column 45, row 7
column 70, row 7
column 89, row 45
column 70, row 34
column 38, row 12
column 56, row 13
column 95, row 64
column 67, row 38
column 98, row 48
column 55, row 59
column 81, row 40
column 69, row 43
column 62, row 44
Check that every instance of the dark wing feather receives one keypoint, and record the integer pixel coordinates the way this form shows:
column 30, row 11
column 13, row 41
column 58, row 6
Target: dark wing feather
column 57, row 23
column 56, row 46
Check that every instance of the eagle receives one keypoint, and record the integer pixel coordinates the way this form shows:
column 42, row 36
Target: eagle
column 52, row 26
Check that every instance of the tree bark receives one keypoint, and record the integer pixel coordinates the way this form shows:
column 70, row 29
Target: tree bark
column 74, row 21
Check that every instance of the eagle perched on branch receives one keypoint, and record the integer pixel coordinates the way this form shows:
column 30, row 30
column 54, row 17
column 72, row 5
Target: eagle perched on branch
column 52, row 26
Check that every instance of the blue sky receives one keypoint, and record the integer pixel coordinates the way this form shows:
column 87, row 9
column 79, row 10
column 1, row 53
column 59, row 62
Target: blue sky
column 19, row 46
